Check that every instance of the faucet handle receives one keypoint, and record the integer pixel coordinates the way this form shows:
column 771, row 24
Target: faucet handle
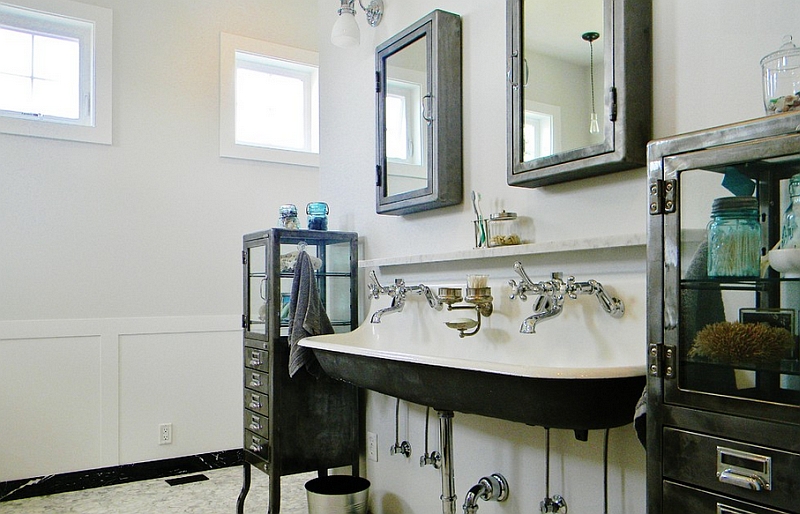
column 517, row 290
column 521, row 272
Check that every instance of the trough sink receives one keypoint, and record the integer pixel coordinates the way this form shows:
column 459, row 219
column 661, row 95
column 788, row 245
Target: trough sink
column 497, row 374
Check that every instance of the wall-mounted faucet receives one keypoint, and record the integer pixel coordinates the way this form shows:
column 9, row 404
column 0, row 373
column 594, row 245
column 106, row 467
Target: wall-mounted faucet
column 398, row 292
column 551, row 294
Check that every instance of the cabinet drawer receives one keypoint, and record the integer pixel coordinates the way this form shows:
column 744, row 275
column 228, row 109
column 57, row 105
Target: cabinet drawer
column 680, row 499
column 256, row 444
column 257, row 423
column 256, row 401
column 256, row 380
column 256, row 359
column 733, row 468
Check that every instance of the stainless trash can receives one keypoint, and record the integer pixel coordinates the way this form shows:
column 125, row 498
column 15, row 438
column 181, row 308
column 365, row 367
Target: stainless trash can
column 337, row 494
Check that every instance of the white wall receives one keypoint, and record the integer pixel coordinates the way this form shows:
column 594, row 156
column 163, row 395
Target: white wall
column 706, row 73
column 118, row 261
column 120, row 265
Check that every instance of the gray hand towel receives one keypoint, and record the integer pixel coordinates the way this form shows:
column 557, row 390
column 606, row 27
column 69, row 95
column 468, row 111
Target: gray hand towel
column 307, row 317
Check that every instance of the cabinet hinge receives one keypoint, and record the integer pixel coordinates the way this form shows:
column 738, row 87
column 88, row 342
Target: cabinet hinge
column 662, row 196
column 244, row 321
column 378, row 176
column 377, row 82
column 613, row 114
column 244, row 258
column 661, row 361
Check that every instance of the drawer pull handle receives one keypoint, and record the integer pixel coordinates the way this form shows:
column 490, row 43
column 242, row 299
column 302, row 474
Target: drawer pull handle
column 255, row 423
column 255, row 380
column 744, row 469
column 255, row 402
column 255, row 358
column 725, row 509
column 752, row 482
column 255, row 448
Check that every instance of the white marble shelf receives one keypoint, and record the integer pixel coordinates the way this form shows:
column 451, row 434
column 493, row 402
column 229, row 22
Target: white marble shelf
column 570, row 245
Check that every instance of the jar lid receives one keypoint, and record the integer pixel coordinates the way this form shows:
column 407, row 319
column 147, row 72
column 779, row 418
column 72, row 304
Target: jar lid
column 317, row 208
column 787, row 49
column 503, row 216
column 734, row 203
column 288, row 209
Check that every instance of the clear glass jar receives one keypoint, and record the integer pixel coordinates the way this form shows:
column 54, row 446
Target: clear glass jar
column 288, row 216
column 317, row 215
column 734, row 238
column 781, row 78
column 790, row 234
column 502, row 229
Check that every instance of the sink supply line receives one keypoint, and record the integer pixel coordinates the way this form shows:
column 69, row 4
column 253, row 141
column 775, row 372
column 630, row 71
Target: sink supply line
column 429, row 459
column 397, row 293
column 491, row 488
column 403, row 448
column 556, row 503
column 552, row 293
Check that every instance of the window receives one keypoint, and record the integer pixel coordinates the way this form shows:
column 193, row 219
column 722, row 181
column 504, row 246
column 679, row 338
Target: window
column 269, row 107
column 541, row 130
column 55, row 70
column 403, row 123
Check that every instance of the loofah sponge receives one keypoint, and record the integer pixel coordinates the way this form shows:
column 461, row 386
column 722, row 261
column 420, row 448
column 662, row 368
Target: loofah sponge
column 742, row 343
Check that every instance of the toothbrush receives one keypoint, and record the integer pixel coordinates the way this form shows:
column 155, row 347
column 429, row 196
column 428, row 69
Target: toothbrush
column 476, row 197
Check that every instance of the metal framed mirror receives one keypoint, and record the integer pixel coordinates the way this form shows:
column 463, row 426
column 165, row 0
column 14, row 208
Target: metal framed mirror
column 579, row 88
column 418, row 115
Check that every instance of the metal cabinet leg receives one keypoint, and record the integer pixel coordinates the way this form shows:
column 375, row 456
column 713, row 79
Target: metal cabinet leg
column 245, row 488
column 274, row 494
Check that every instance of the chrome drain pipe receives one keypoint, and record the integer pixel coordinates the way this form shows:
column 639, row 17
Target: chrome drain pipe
column 446, row 449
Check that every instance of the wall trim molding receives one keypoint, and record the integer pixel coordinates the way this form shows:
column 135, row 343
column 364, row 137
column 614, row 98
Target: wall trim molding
column 114, row 475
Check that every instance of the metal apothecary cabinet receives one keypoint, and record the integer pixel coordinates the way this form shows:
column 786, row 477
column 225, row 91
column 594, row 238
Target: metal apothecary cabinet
column 298, row 424
column 723, row 408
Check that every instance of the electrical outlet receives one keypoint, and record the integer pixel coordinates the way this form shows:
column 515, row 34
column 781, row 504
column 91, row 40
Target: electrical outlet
column 165, row 433
column 372, row 446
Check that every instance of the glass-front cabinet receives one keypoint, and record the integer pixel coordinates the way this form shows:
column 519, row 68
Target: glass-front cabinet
column 297, row 423
column 723, row 398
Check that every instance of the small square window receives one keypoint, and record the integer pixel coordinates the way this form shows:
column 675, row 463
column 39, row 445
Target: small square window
column 55, row 70
column 269, row 106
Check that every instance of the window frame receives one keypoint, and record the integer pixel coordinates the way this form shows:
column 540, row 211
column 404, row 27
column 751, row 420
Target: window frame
column 95, row 73
column 230, row 45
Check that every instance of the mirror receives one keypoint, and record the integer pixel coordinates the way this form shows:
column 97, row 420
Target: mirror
column 579, row 88
column 418, row 115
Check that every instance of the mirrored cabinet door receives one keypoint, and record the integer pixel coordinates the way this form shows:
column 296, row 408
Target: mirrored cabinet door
column 579, row 88
column 418, row 117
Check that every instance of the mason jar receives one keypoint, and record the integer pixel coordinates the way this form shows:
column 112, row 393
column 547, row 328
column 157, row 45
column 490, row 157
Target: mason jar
column 317, row 215
column 790, row 234
column 288, row 216
column 734, row 238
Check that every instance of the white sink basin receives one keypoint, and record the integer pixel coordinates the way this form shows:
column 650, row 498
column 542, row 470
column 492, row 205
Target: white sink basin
column 577, row 380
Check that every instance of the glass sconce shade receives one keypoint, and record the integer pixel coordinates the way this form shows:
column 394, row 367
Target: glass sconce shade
column 345, row 31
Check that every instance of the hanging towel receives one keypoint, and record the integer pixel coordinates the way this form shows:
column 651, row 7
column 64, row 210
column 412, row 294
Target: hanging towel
column 307, row 317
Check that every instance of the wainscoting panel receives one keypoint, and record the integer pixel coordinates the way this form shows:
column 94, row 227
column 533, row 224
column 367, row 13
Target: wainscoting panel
column 86, row 394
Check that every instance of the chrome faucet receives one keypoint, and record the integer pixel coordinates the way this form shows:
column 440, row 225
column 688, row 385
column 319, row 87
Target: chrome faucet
column 398, row 292
column 551, row 295
column 491, row 488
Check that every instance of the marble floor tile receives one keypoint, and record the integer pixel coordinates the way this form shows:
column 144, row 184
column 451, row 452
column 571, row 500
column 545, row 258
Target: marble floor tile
column 217, row 495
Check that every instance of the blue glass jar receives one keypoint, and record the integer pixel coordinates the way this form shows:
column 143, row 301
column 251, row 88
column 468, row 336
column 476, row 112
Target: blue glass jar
column 317, row 215
column 734, row 238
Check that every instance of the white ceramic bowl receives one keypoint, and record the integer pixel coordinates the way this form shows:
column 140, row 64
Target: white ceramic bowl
column 785, row 261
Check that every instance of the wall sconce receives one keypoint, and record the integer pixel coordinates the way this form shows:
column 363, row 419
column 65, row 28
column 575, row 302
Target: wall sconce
column 345, row 31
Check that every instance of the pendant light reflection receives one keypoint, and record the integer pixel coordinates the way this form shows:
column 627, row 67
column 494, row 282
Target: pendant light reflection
column 591, row 37
column 345, row 31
